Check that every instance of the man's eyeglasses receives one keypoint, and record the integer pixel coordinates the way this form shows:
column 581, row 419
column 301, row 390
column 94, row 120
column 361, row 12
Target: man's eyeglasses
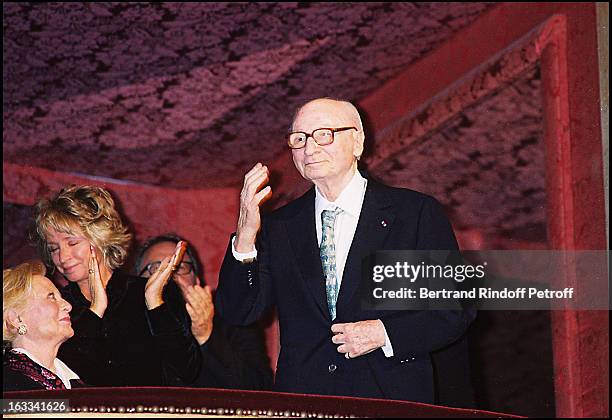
column 185, row 267
column 322, row 136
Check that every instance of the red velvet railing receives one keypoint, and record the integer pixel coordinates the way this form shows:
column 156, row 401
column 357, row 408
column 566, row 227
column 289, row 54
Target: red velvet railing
column 242, row 403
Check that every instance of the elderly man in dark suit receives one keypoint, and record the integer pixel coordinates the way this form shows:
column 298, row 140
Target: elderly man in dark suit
column 305, row 259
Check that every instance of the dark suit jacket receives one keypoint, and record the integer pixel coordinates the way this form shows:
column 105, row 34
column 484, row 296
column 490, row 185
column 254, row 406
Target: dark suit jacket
column 288, row 274
column 233, row 357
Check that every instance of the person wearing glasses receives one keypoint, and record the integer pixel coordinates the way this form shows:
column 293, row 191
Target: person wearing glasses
column 305, row 259
column 126, row 332
column 232, row 357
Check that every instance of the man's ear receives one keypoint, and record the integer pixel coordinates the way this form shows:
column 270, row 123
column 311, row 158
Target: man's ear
column 359, row 138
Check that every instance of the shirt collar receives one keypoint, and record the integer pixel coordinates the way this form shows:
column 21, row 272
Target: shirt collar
column 349, row 200
column 61, row 369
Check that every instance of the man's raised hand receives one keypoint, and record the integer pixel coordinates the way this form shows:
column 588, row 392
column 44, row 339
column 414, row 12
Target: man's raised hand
column 251, row 197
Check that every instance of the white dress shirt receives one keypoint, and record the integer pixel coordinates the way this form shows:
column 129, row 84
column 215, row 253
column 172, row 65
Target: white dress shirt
column 61, row 369
column 350, row 201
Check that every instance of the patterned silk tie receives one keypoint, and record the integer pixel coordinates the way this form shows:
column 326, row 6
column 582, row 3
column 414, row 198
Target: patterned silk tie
column 328, row 258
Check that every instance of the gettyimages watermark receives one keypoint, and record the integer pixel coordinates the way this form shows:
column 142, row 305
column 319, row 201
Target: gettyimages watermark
column 486, row 280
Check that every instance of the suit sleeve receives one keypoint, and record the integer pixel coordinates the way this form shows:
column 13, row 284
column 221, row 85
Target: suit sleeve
column 418, row 333
column 245, row 290
column 235, row 358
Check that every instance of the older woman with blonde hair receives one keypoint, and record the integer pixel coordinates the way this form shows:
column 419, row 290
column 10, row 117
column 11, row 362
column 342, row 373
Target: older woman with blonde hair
column 128, row 331
column 36, row 322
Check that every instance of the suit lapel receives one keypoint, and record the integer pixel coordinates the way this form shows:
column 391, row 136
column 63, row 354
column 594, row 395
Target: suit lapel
column 303, row 239
column 375, row 223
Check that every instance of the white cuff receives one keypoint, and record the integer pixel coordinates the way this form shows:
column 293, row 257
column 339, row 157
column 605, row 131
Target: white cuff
column 387, row 348
column 241, row 256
